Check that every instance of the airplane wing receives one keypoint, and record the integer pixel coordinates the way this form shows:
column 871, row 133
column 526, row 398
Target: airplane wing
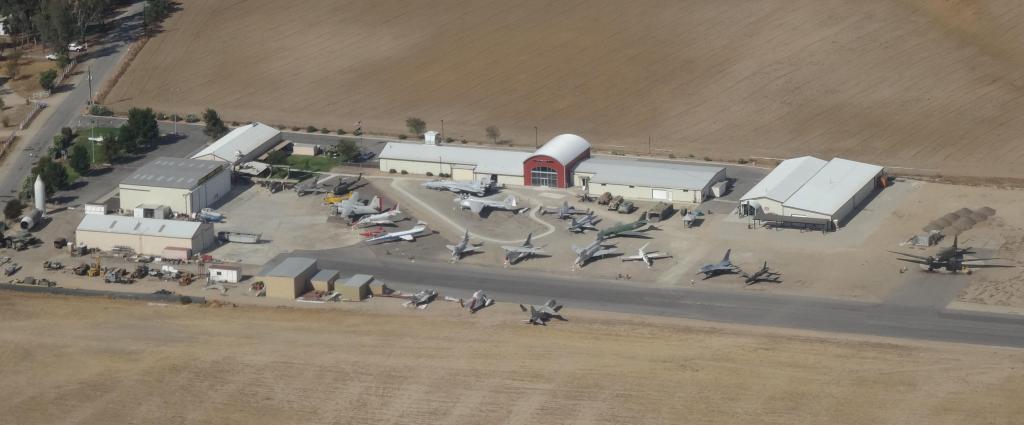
column 606, row 251
column 632, row 258
column 521, row 250
column 922, row 261
column 985, row 266
column 910, row 255
column 450, row 247
column 656, row 255
column 634, row 234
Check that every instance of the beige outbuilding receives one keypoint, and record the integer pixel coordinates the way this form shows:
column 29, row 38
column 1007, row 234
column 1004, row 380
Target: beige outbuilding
column 356, row 288
column 143, row 235
column 289, row 279
column 324, row 280
column 185, row 185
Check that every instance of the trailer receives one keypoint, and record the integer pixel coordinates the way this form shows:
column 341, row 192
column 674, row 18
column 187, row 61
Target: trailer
column 239, row 237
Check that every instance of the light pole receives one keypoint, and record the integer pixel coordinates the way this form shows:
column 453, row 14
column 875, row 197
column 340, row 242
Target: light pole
column 442, row 130
column 535, row 139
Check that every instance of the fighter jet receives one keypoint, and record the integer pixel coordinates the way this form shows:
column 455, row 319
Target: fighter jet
column 388, row 217
column 353, row 207
column 476, row 187
column 541, row 314
column 761, row 275
column 592, row 252
column 515, row 254
column 721, row 267
column 951, row 259
column 479, row 302
column 406, row 235
column 584, row 223
column 647, row 257
column 463, row 248
column 321, row 186
column 627, row 229
column 478, row 205
column 421, row 299
column 564, row 212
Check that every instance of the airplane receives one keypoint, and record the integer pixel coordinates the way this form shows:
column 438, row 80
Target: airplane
column 592, row 252
column 478, row 205
column 627, row 229
column 715, row 269
column 463, row 248
column 762, row 275
column 647, row 257
column 353, row 207
column 541, row 314
column 385, row 218
column 585, row 223
column 405, row 235
column 479, row 302
column 515, row 254
column 951, row 259
column 476, row 187
column 421, row 299
column 564, row 212
column 320, row 186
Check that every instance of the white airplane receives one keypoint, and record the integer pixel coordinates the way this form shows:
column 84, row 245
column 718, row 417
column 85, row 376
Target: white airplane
column 478, row 205
column 406, row 235
column 462, row 248
column 647, row 257
column 515, row 254
column 353, row 207
column 476, row 187
column 385, row 218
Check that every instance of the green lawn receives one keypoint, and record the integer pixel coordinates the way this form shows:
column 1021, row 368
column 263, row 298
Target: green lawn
column 84, row 135
column 311, row 163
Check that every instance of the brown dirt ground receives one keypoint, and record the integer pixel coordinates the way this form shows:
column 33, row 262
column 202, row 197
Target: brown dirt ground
column 933, row 84
column 28, row 76
column 95, row 361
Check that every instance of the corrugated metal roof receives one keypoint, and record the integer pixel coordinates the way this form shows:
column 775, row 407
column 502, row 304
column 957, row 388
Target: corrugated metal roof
column 140, row 226
column 564, row 148
column 244, row 139
column 656, row 174
column 292, row 267
column 325, row 276
column 832, row 186
column 358, row 280
column 485, row 161
column 177, row 173
column 785, row 179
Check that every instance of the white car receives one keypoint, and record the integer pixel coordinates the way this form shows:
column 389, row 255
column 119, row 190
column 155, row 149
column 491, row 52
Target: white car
column 52, row 56
column 75, row 47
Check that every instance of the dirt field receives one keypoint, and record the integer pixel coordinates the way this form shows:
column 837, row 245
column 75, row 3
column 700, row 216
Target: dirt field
column 919, row 83
column 91, row 361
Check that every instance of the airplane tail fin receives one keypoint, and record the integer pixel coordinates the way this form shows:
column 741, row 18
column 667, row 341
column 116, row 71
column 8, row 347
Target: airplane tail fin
column 955, row 248
column 727, row 252
column 643, row 217
column 375, row 202
column 528, row 238
column 398, row 208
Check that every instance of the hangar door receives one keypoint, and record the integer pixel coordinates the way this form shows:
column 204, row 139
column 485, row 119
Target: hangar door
column 462, row 174
column 662, row 195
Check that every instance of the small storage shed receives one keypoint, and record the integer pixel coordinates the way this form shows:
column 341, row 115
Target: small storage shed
column 308, row 149
column 224, row 273
column 324, row 280
column 356, row 288
column 289, row 279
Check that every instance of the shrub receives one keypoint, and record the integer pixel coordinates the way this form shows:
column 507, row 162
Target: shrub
column 191, row 118
column 63, row 61
column 341, row 132
column 234, row 123
column 48, row 79
column 449, row 140
column 742, row 161
column 402, row 137
column 101, row 110
column 430, row 174
column 392, row 171
column 672, row 156
column 161, row 116
column 405, row 172
column 415, row 125
column 617, row 153
column 690, row 156
column 310, row 129
column 324, row 130
column 464, row 141
column 176, row 117
column 358, row 131
column 707, row 158
column 295, row 128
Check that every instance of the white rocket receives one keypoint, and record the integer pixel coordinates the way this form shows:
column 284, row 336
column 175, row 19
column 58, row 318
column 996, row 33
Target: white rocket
column 39, row 195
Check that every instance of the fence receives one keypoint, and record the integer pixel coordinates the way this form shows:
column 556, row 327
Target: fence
column 63, row 75
column 36, row 107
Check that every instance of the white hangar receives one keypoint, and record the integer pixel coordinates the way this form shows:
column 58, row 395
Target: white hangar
column 241, row 145
column 811, row 191
column 185, row 185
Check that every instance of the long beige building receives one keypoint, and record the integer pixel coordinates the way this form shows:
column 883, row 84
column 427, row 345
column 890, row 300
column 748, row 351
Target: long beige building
column 185, row 185
column 143, row 235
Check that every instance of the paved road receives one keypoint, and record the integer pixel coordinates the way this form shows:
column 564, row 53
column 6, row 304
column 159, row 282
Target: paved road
column 101, row 59
column 518, row 286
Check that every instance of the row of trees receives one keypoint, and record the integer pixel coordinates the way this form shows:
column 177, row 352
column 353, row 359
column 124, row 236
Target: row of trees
column 55, row 22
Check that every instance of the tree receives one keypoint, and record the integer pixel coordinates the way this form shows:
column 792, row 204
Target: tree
column 85, row 12
column 19, row 15
column 13, row 63
column 55, row 176
column 140, row 130
column 55, row 24
column 154, row 13
column 415, row 125
column 111, row 148
column 13, row 209
column 215, row 127
column 48, row 79
column 79, row 159
column 347, row 150
column 493, row 133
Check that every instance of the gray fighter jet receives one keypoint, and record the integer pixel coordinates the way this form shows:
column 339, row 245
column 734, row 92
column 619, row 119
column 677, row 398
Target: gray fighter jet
column 647, row 257
column 353, row 207
column 721, row 267
column 420, row 299
column 515, row 254
column 592, row 252
column 462, row 248
column 542, row 314
column 476, row 187
column 584, row 223
column 478, row 205
column 764, row 274
column 564, row 212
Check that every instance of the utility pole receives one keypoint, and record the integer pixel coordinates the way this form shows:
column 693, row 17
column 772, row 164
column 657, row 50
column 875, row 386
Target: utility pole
column 90, row 85
column 535, row 139
column 650, row 140
column 442, row 130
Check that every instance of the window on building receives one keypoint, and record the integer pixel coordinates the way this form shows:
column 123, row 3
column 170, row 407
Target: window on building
column 543, row 176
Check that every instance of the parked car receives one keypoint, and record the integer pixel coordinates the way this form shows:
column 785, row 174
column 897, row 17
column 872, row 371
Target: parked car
column 52, row 56
column 75, row 47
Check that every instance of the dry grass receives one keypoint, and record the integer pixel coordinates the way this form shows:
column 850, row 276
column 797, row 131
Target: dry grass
column 68, row 360
column 28, row 76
